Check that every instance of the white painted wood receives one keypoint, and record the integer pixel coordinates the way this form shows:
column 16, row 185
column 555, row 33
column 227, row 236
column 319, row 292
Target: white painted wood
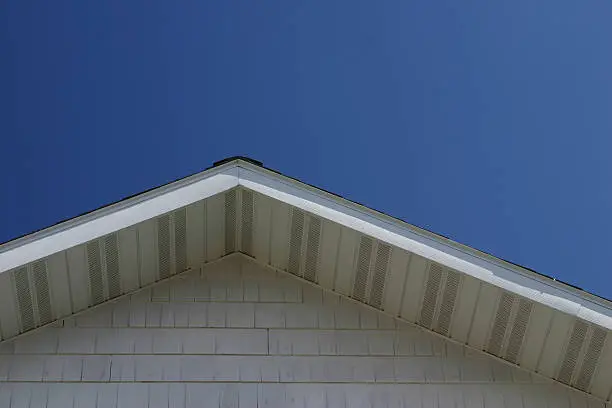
column 602, row 379
column 452, row 255
column 128, row 259
column 338, row 213
column 279, row 236
column 415, row 280
column 187, row 191
column 79, row 277
column 550, row 359
column 396, row 280
column 215, row 227
column 117, row 216
column 147, row 232
column 132, row 396
column 484, row 315
column 261, row 224
column 255, row 344
column 535, row 336
column 9, row 321
column 345, row 266
column 195, row 234
column 330, row 240
column 60, row 396
column 465, row 308
column 59, row 285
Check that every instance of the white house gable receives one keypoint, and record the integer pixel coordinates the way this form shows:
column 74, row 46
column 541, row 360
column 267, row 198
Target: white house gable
column 97, row 270
column 237, row 334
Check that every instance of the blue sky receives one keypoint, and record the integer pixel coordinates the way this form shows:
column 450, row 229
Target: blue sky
column 487, row 122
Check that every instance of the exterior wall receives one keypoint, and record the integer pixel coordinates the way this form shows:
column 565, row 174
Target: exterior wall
column 240, row 335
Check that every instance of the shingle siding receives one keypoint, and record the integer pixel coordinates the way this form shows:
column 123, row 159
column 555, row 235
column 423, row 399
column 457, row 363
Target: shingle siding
column 239, row 335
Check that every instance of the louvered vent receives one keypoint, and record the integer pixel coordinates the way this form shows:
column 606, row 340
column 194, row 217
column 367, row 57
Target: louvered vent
column 363, row 268
column 230, row 221
column 113, row 277
column 41, row 288
column 247, row 222
column 449, row 296
column 96, row 284
column 295, row 242
column 498, row 332
column 517, row 334
column 591, row 357
column 381, row 263
column 163, row 246
column 572, row 352
column 24, row 299
column 180, row 240
column 430, row 297
column 312, row 249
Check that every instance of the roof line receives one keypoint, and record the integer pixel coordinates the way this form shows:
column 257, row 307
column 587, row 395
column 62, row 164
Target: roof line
column 247, row 162
column 484, row 256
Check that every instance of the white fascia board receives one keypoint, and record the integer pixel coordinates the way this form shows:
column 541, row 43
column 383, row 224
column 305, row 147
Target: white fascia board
column 393, row 232
column 118, row 216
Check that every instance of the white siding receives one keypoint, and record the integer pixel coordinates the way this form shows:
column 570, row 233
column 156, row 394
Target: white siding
column 237, row 334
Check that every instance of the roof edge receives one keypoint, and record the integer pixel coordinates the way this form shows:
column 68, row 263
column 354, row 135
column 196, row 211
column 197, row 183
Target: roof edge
column 235, row 172
column 486, row 263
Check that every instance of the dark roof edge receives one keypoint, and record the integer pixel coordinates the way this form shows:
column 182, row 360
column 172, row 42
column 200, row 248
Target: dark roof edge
column 236, row 158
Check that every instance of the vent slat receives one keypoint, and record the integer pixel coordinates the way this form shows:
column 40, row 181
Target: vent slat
column 500, row 324
column 517, row 334
column 312, row 249
column 430, row 297
column 247, row 222
column 449, row 296
column 573, row 350
column 230, row 221
column 24, row 299
column 163, row 246
column 41, row 287
column 591, row 357
column 180, row 240
column 94, row 263
column 113, row 277
column 381, row 263
column 295, row 242
column 363, row 268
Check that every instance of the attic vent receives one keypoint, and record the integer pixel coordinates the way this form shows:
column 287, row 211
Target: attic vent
column 230, row 221
column 363, row 268
column 517, row 334
column 111, row 253
column 295, row 242
column 500, row 324
column 448, row 301
column 590, row 359
column 180, row 240
column 247, row 222
column 572, row 352
column 380, row 274
column 41, row 287
column 96, row 285
column 163, row 245
column 24, row 298
column 312, row 249
column 430, row 297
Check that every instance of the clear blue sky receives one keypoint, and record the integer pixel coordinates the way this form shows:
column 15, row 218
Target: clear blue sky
column 487, row 122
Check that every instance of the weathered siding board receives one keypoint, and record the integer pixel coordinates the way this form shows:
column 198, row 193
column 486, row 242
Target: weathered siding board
column 237, row 334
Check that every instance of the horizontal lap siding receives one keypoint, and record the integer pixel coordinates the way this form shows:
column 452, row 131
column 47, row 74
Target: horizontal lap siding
column 239, row 335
